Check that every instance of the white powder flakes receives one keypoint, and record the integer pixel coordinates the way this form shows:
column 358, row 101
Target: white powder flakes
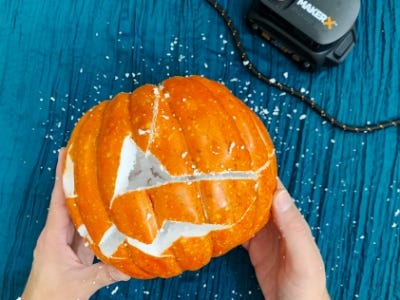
column 115, row 290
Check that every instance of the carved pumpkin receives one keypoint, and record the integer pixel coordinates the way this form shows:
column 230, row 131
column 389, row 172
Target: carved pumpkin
column 160, row 180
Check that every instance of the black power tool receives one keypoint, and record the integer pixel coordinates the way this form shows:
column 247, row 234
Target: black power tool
column 312, row 33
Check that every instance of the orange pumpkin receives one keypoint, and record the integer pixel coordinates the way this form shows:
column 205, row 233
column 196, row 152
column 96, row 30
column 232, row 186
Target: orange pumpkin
column 161, row 180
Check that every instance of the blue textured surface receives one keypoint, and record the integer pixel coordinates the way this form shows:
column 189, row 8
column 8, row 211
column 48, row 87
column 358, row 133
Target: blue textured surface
column 58, row 59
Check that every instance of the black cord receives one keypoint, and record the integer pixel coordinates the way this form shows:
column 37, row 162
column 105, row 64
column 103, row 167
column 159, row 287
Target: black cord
column 301, row 96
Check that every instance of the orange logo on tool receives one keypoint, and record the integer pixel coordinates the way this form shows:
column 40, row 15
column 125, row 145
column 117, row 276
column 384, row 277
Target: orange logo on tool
column 329, row 23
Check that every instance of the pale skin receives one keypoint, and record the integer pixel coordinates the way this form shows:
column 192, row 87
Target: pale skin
column 62, row 265
column 285, row 257
column 287, row 262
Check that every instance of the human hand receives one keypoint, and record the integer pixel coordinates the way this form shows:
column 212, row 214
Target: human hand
column 285, row 257
column 63, row 266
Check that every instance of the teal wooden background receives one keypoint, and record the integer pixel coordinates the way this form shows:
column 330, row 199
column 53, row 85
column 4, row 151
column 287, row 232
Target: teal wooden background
column 59, row 58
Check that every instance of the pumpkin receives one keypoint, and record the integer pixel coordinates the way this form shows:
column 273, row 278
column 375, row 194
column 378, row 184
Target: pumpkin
column 160, row 180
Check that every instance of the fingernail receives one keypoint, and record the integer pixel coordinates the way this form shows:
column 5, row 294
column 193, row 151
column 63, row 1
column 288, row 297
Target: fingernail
column 283, row 200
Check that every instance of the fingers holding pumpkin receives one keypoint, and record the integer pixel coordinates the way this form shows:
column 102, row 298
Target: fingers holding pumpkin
column 301, row 251
column 58, row 222
column 111, row 145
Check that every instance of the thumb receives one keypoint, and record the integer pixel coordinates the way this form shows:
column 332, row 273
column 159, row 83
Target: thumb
column 287, row 217
column 100, row 275
column 301, row 250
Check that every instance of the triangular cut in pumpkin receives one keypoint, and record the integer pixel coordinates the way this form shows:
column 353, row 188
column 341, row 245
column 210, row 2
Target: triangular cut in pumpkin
column 169, row 232
column 139, row 170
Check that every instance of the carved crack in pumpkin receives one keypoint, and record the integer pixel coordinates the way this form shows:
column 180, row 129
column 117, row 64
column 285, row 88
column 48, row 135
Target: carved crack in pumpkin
column 139, row 170
column 170, row 232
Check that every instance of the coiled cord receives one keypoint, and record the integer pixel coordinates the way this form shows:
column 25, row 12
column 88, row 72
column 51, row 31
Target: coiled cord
column 247, row 63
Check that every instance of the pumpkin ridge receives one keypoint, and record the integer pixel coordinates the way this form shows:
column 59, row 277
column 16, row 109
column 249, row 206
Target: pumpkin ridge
column 132, row 261
column 261, row 133
column 72, row 196
column 207, row 84
column 190, row 156
column 202, row 186
column 84, row 139
column 223, row 104
column 103, row 126
column 166, row 101
column 115, row 123
column 181, row 112
column 141, row 104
